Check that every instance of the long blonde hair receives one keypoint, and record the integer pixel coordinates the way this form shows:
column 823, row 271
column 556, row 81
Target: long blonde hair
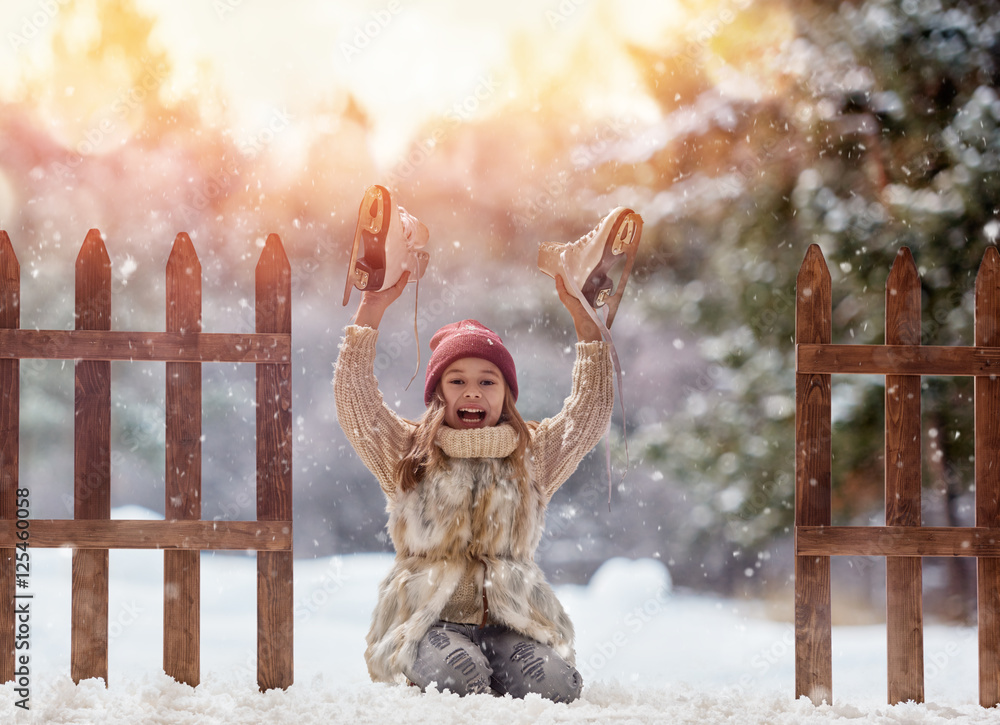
column 424, row 454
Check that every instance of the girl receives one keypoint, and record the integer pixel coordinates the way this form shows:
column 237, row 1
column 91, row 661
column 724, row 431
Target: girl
column 465, row 606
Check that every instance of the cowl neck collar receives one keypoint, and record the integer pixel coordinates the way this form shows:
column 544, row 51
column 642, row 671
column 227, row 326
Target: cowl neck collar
column 497, row 441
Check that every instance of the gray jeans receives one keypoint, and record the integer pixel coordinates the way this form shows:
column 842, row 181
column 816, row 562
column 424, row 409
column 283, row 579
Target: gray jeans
column 465, row 658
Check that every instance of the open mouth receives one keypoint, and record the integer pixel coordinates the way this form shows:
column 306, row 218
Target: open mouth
column 471, row 416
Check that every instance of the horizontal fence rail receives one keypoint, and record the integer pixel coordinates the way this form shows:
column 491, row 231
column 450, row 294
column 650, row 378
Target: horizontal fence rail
column 896, row 541
column 144, row 534
column 144, row 346
column 903, row 541
column 897, row 359
column 91, row 533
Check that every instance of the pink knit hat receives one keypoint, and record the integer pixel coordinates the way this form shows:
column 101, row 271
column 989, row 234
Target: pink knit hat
column 467, row 338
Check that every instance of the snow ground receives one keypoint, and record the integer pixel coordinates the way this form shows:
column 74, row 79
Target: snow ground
column 648, row 654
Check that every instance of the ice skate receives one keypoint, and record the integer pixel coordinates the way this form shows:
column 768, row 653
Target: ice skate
column 585, row 264
column 393, row 241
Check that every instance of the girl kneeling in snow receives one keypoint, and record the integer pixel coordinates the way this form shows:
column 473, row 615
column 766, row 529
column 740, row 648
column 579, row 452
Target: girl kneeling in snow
column 465, row 606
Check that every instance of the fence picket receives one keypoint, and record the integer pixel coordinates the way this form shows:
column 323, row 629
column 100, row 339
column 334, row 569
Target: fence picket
column 987, row 472
column 813, row 324
column 274, row 471
column 182, row 569
column 904, row 607
column 10, row 396
column 92, row 465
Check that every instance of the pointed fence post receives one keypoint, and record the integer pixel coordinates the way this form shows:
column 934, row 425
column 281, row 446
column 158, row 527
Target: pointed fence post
column 10, row 396
column 904, row 591
column 987, row 417
column 274, row 471
column 813, row 324
column 182, row 569
column 92, row 465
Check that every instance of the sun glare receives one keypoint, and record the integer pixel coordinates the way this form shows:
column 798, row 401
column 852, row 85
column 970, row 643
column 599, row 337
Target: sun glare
column 404, row 64
column 250, row 111
column 743, row 50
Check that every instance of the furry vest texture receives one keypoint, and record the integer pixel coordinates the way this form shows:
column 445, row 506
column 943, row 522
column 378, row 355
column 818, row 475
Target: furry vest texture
column 468, row 509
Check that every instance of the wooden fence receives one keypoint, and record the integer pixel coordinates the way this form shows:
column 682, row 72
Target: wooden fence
column 903, row 541
column 91, row 532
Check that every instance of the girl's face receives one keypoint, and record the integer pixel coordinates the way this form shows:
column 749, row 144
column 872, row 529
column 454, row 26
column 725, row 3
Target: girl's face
column 473, row 392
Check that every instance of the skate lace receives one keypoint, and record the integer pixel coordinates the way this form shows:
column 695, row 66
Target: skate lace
column 409, row 225
column 571, row 282
column 585, row 239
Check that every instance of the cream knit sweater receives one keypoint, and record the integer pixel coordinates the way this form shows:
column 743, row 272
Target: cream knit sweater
column 381, row 438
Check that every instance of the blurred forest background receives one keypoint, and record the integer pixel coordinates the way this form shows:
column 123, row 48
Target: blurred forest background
column 742, row 131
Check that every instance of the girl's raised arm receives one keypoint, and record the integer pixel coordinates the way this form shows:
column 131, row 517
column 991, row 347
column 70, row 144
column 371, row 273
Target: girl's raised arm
column 374, row 430
column 560, row 442
column 586, row 329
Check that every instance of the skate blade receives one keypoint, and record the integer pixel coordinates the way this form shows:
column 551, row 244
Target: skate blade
column 372, row 216
column 624, row 242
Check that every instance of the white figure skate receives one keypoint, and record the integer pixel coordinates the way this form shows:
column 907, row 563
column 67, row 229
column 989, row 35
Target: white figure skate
column 584, row 264
column 393, row 242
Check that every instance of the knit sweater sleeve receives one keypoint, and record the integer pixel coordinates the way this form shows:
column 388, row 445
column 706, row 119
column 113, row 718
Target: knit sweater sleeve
column 559, row 443
column 378, row 435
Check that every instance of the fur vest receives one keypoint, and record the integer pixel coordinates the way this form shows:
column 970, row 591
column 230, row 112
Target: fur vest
column 468, row 509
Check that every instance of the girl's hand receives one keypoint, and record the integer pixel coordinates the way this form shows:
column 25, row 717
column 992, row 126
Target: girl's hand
column 586, row 329
column 374, row 304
